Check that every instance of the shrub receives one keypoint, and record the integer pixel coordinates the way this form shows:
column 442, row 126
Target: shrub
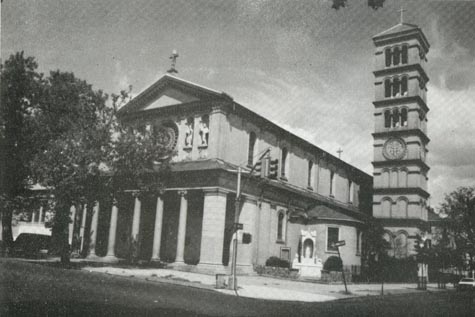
column 333, row 263
column 277, row 262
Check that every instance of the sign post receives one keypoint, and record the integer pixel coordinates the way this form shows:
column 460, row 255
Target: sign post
column 339, row 244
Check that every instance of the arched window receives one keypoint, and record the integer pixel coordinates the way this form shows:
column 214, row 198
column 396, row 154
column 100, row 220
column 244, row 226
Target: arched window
column 404, row 59
column 396, row 87
column 387, row 118
column 332, row 183
column 401, row 208
column 404, row 117
column 385, row 179
column 403, row 178
column 351, row 191
column 387, row 55
column 386, row 207
column 284, row 160
column 404, row 86
column 310, row 174
column 393, row 178
column 396, row 56
column 387, row 88
column 396, row 117
column 251, row 149
column 280, row 226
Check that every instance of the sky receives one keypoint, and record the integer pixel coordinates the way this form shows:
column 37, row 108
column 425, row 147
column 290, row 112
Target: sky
column 301, row 64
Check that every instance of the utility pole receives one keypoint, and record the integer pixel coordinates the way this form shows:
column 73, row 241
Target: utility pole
column 236, row 225
column 236, row 221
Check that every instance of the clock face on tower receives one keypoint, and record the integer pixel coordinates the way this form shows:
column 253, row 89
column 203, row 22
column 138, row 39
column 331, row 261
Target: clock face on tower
column 394, row 149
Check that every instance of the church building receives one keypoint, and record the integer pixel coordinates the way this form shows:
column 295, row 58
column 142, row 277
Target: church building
column 299, row 201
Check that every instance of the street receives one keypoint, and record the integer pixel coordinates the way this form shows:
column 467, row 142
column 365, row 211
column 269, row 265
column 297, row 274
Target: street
column 28, row 289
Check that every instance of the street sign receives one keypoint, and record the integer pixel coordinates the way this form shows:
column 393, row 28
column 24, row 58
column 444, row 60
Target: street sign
column 339, row 243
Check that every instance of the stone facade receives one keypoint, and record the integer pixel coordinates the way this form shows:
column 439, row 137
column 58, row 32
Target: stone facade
column 400, row 135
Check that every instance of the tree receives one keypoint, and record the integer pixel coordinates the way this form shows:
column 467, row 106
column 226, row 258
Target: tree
column 86, row 152
column 375, row 248
column 20, row 83
column 459, row 206
column 374, row 4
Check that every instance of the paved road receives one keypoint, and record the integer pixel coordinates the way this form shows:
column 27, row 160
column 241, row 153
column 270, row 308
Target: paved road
column 37, row 290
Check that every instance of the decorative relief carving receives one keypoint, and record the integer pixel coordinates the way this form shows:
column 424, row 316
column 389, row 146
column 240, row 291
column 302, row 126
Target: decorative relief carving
column 394, row 149
column 189, row 132
column 167, row 135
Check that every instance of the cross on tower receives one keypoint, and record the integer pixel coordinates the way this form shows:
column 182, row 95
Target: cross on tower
column 402, row 14
column 339, row 152
column 173, row 57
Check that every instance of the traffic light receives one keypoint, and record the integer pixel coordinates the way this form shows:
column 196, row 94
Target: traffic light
column 260, row 168
column 273, row 168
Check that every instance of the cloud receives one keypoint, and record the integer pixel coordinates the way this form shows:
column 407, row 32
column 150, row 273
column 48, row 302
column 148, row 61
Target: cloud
column 451, row 63
column 120, row 78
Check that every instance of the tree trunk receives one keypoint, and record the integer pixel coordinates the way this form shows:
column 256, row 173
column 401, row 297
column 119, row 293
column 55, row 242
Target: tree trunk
column 7, row 235
column 60, row 232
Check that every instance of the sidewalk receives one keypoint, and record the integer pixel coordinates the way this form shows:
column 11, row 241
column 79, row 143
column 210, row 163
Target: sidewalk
column 263, row 287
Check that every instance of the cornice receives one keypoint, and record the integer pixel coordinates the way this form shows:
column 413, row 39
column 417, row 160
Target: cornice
column 401, row 101
column 397, row 70
column 401, row 191
column 404, row 222
column 394, row 163
column 402, row 133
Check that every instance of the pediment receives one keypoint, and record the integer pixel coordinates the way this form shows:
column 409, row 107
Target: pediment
column 169, row 97
column 168, row 91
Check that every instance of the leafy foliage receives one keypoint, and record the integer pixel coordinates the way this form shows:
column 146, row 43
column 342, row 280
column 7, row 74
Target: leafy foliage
column 277, row 262
column 20, row 84
column 374, row 4
column 64, row 135
column 459, row 206
column 333, row 263
column 374, row 250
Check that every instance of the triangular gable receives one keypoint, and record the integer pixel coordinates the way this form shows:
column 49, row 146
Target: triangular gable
column 401, row 27
column 167, row 91
column 170, row 97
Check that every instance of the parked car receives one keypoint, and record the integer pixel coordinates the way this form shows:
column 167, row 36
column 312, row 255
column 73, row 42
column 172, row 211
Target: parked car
column 467, row 283
column 31, row 245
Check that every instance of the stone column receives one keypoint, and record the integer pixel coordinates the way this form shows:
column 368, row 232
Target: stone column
column 72, row 215
column 33, row 213
column 157, row 236
column 94, row 225
column 136, row 217
column 248, row 219
column 112, row 231
column 180, row 247
column 83, row 226
column 264, row 230
column 41, row 214
column 212, row 237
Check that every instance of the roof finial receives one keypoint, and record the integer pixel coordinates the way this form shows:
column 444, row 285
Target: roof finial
column 339, row 152
column 402, row 14
column 173, row 57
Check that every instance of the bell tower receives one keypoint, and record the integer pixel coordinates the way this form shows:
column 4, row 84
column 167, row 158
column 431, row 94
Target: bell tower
column 400, row 135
